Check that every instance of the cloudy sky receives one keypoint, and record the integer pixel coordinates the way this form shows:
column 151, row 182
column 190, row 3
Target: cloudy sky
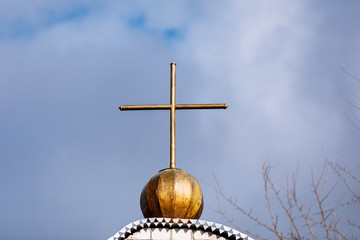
column 72, row 165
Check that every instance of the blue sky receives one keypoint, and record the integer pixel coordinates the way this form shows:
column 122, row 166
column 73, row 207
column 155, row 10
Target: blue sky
column 73, row 165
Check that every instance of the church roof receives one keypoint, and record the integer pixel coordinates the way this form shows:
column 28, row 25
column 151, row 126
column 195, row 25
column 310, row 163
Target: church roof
column 170, row 223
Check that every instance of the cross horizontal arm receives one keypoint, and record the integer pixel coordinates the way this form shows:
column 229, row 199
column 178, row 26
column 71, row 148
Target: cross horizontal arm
column 144, row 107
column 177, row 106
column 201, row 106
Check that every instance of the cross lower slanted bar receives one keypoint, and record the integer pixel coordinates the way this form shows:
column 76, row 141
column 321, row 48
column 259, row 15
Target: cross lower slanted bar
column 172, row 107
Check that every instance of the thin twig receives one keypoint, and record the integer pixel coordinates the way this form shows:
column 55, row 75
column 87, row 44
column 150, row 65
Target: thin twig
column 326, row 177
column 352, row 104
column 231, row 221
column 335, row 169
column 330, row 227
column 265, row 172
column 304, row 216
column 348, row 173
column 352, row 122
column 217, row 189
column 352, row 224
column 358, row 79
column 319, row 203
column 288, row 213
column 290, row 209
column 336, row 225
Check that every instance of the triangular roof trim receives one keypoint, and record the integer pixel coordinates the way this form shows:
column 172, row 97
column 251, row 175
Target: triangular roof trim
column 204, row 225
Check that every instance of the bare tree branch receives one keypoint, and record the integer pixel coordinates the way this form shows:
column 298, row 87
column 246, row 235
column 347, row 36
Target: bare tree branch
column 353, row 105
column 352, row 76
column 348, row 173
column 304, row 216
column 352, row 122
column 335, row 169
column 265, row 172
column 315, row 217
column 288, row 213
column 352, row 224
column 319, row 223
column 319, row 203
column 231, row 221
column 217, row 189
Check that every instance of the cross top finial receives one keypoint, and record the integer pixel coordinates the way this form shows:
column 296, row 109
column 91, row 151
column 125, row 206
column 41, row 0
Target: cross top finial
column 172, row 107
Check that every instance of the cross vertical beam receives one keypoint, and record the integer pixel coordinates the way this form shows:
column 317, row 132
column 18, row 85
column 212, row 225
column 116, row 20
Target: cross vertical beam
column 172, row 107
column 172, row 115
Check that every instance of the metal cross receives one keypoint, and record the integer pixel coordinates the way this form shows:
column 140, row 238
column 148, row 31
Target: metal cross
column 172, row 107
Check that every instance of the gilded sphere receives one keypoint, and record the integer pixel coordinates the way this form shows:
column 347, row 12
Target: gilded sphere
column 172, row 193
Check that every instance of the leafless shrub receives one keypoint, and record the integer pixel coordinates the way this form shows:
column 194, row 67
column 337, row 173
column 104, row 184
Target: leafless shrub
column 319, row 217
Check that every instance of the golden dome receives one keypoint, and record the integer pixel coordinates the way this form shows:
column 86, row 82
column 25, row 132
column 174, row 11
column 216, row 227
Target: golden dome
column 172, row 193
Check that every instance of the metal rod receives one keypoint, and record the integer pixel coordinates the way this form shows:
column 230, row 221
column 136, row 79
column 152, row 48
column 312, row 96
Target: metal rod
column 201, row 106
column 172, row 116
column 177, row 106
column 144, row 107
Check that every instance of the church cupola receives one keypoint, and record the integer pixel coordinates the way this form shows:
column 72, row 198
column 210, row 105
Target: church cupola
column 172, row 201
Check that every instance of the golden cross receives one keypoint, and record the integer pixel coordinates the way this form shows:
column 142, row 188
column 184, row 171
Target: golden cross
column 172, row 107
